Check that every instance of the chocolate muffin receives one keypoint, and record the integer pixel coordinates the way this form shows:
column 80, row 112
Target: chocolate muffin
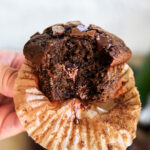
column 76, row 91
column 76, row 61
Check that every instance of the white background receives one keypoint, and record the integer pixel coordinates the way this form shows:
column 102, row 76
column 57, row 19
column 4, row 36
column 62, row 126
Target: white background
column 129, row 19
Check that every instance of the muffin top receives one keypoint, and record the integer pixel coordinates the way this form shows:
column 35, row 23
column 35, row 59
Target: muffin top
column 76, row 61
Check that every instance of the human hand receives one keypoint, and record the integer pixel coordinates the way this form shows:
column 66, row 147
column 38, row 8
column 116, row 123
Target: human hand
column 10, row 62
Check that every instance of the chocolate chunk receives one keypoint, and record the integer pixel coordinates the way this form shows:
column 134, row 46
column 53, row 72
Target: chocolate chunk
column 82, row 27
column 73, row 23
column 75, row 61
column 58, row 30
column 75, row 32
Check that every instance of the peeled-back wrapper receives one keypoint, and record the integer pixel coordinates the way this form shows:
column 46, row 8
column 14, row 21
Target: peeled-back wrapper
column 71, row 126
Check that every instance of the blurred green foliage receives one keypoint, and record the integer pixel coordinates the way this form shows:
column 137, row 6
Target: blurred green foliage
column 142, row 78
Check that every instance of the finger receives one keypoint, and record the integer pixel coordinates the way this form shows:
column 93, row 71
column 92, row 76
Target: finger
column 11, row 126
column 5, row 110
column 6, row 57
column 1, row 98
column 7, row 80
column 5, row 100
column 11, row 58
column 17, row 60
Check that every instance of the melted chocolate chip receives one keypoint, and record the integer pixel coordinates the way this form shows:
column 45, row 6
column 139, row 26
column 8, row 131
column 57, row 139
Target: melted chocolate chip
column 103, row 42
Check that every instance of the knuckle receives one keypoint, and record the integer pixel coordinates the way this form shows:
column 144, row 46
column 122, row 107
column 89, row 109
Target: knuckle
column 7, row 75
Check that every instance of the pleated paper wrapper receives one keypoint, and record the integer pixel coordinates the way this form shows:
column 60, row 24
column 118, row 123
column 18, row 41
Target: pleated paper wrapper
column 68, row 126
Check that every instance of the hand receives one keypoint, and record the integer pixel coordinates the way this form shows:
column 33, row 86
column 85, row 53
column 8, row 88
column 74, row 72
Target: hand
column 10, row 62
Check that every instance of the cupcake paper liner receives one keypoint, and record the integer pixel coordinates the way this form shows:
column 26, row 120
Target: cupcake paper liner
column 71, row 125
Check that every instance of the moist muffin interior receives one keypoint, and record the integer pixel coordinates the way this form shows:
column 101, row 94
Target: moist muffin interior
column 75, row 61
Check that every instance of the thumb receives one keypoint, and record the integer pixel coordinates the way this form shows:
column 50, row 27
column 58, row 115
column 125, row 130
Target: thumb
column 7, row 80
